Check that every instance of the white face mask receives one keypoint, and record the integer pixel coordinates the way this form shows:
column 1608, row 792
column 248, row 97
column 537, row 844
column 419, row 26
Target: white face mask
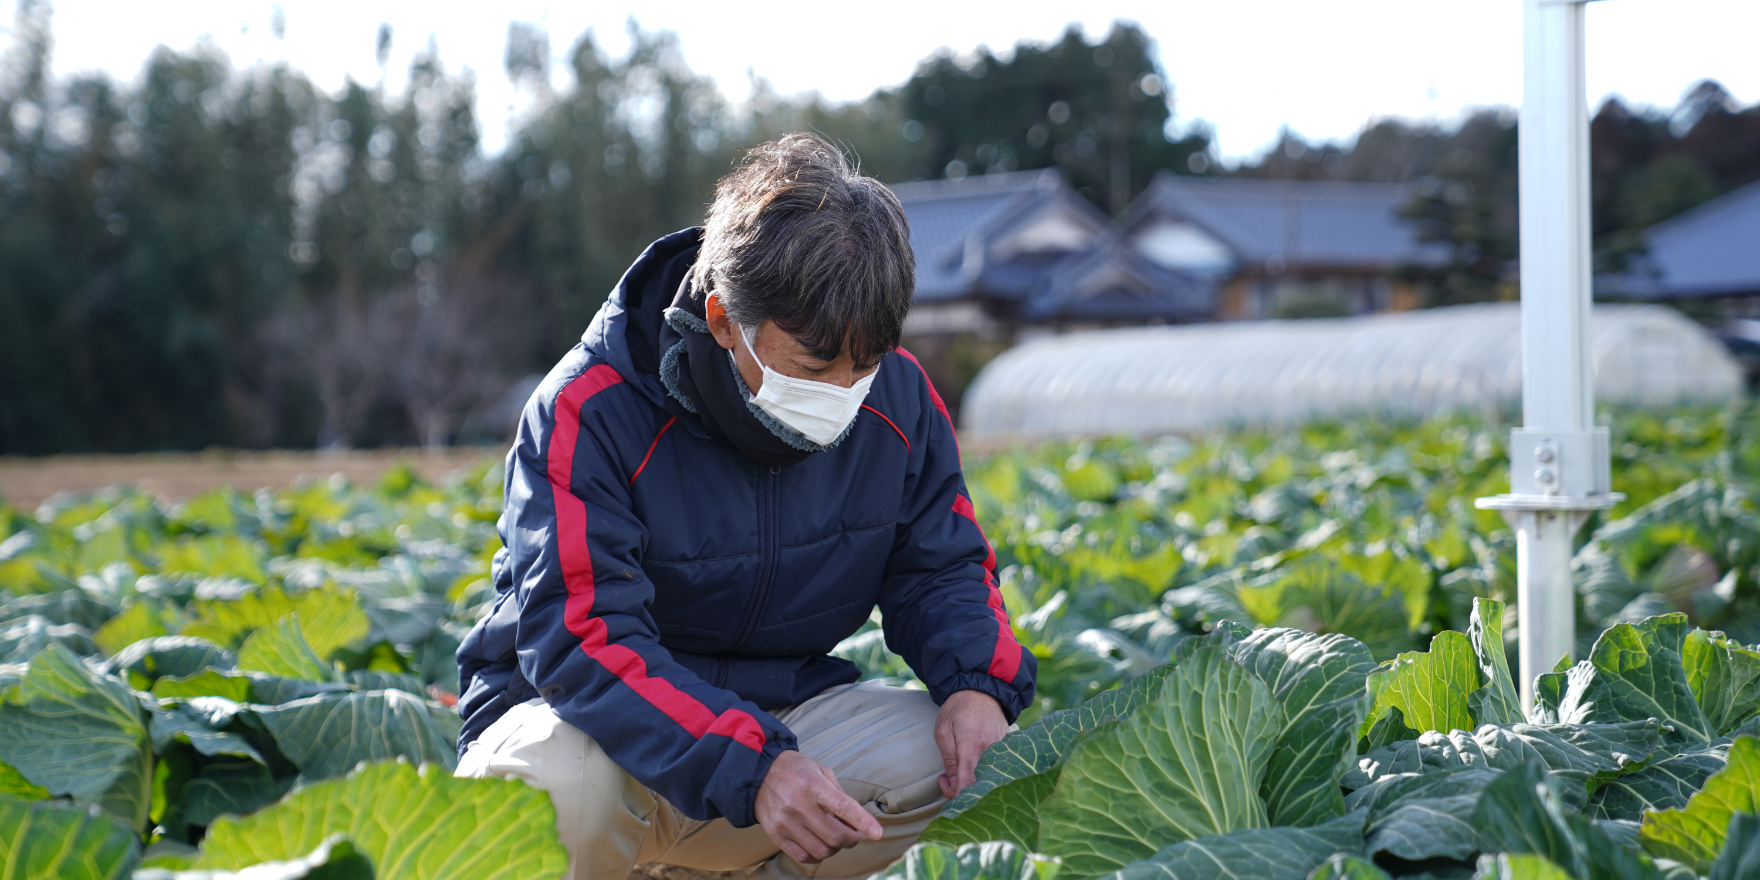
column 820, row 411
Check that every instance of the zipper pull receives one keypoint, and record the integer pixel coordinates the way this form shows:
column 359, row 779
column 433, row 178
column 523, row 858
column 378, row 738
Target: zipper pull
column 776, row 469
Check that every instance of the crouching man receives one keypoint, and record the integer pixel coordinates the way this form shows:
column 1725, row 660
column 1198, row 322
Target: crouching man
column 727, row 475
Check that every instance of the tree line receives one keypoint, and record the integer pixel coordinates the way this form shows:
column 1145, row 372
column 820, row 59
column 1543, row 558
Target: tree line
column 224, row 256
column 217, row 256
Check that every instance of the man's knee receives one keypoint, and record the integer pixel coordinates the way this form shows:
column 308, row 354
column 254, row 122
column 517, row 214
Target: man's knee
column 880, row 741
column 599, row 807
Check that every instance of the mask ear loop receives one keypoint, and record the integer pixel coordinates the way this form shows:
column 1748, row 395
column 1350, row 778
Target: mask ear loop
column 751, row 346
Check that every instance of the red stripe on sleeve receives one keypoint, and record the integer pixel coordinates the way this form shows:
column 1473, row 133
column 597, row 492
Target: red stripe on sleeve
column 1005, row 661
column 571, row 511
column 577, row 575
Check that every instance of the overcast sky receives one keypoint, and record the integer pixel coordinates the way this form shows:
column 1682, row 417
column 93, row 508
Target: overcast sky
column 1323, row 69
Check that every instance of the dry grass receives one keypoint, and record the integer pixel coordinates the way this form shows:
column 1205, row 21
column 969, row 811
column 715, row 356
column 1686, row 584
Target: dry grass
column 26, row 482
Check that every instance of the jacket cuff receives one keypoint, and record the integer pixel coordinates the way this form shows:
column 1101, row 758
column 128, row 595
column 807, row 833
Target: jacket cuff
column 1014, row 700
column 743, row 812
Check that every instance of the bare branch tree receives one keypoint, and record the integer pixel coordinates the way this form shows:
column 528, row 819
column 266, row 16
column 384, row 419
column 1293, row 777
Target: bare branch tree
column 446, row 349
column 439, row 349
column 334, row 342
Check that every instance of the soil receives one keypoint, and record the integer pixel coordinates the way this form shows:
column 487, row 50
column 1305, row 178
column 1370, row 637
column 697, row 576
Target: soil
column 657, row 871
column 26, row 482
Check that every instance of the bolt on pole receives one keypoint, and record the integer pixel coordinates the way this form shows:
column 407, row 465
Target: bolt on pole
column 1559, row 460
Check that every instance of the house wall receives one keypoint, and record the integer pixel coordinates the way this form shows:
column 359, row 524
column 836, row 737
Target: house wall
column 1233, row 303
column 946, row 318
column 1255, row 295
column 1403, row 296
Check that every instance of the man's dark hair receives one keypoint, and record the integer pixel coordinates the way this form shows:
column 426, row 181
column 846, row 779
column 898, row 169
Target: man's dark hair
column 798, row 237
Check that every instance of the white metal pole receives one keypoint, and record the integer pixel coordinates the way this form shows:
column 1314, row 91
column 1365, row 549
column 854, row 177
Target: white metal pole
column 1544, row 591
column 1554, row 177
column 1558, row 458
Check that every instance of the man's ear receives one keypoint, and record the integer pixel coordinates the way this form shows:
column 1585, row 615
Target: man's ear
column 720, row 326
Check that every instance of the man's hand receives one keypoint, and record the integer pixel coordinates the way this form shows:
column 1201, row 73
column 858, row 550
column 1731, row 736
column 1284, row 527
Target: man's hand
column 805, row 812
column 969, row 722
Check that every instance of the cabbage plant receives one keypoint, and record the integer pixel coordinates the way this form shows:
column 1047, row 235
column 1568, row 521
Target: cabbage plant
column 1278, row 754
column 250, row 683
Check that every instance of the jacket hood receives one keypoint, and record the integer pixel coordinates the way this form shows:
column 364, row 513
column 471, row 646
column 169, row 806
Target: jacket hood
column 645, row 326
column 626, row 332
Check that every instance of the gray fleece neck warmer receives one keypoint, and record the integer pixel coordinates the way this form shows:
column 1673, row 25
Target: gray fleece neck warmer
column 685, row 323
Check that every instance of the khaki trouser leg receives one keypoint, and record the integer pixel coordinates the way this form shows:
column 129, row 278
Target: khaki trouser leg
column 878, row 740
column 601, row 812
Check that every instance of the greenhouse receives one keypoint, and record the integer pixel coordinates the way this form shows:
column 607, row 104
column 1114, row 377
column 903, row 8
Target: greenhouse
column 1145, row 381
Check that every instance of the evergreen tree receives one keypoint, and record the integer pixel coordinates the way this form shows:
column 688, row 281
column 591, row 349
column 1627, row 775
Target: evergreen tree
column 217, row 256
column 1099, row 112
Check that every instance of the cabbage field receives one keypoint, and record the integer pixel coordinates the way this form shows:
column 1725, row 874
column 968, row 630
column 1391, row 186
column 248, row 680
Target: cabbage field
column 1262, row 655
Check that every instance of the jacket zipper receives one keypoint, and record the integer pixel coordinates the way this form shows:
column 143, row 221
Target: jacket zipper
column 766, row 568
column 721, row 670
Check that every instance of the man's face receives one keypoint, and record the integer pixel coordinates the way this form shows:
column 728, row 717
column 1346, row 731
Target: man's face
column 780, row 352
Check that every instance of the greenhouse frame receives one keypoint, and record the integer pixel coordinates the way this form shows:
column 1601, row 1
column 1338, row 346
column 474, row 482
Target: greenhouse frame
column 1175, row 379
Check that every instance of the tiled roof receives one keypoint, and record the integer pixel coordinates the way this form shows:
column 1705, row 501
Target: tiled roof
column 945, row 214
column 1078, row 289
column 1300, row 222
column 964, row 233
column 1712, row 250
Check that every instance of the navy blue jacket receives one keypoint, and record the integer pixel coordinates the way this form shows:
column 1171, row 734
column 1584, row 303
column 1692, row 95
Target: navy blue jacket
column 661, row 591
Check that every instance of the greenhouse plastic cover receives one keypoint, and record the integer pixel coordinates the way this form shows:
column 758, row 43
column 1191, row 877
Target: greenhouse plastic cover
column 1152, row 380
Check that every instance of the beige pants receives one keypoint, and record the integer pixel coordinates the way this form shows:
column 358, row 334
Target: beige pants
column 880, row 741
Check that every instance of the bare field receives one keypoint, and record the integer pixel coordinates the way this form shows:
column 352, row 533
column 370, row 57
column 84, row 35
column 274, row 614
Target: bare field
column 26, row 482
